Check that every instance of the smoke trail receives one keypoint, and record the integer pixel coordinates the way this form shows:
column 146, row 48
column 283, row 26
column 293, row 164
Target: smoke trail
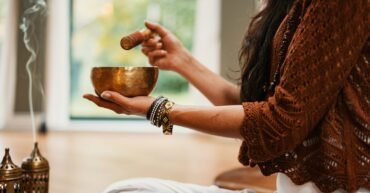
column 38, row 8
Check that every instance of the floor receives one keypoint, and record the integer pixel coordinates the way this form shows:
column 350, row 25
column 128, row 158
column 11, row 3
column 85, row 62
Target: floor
column 88, row 162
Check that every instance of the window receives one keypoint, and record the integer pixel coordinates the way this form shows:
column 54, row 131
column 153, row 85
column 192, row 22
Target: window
column 97, row 27
column 3, row 11
column 5, row 60
column 2, row 33
column 63, row 57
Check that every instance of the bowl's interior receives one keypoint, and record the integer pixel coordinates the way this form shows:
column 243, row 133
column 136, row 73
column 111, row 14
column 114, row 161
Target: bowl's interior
column 129, row 81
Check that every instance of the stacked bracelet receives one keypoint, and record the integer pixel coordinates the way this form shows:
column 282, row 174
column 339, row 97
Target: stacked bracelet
column 151, row 107
column 167, row 125
column 158, row 114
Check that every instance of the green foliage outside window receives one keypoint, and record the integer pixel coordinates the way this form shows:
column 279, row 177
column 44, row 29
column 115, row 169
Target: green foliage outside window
column 97, row 27
column 3, row 8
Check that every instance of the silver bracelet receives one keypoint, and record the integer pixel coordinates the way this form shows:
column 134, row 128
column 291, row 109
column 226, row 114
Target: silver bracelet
column 155, row 108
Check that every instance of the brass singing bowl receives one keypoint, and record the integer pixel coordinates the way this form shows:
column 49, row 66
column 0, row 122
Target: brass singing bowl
column 128, row 81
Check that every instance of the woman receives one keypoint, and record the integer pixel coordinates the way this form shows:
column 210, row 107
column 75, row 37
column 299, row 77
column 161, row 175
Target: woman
column 303, row 105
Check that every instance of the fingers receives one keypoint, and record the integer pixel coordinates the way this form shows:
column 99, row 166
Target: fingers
column 121, row 104
column 161, row 31
column 147, row 50
column 160, row 62
column 151, row 45
column 115, row 97
column 157, row 54
column 155, row 46
column 154, row 52
column 103, row 103
column 152, row 42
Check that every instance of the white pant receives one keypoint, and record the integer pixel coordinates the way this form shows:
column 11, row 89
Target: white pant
column 285, row 185
column 153, row 185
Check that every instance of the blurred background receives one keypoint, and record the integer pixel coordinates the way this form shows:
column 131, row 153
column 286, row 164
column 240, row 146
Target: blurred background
column 76, row 35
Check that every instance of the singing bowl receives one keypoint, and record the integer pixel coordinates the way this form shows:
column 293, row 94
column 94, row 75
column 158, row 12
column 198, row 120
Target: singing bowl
column 128, row 81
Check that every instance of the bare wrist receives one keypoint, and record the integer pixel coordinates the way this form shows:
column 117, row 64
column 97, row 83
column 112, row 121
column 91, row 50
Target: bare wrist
column 190, row 63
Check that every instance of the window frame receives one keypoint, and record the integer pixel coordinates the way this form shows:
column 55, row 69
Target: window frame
column 58, row 68
column 8, row 67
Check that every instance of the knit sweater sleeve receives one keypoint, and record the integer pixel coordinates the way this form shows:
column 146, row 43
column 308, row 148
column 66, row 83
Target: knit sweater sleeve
column 323, row 50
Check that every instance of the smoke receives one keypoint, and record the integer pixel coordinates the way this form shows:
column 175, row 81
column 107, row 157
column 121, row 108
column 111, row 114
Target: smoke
column 36, row 10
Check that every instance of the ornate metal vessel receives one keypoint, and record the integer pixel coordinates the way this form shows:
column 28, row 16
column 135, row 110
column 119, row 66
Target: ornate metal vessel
column 35, row 172
column 10, row 175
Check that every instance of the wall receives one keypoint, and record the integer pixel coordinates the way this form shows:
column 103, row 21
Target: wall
column 235, row 17
column 21, row 96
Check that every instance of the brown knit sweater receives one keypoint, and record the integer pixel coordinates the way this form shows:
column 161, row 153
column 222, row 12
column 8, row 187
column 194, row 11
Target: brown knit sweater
column 316, row 125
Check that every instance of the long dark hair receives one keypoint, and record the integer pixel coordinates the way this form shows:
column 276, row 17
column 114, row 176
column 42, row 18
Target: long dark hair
column 255, row 53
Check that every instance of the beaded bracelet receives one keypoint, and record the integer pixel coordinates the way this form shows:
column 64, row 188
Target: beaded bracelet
column 151, row 107
column 158, row 114
column 167, row 125
column 155, row 109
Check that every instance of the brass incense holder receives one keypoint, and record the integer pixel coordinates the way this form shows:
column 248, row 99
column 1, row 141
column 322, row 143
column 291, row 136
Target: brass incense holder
column 35, row 172
column 33, row 177
column 128, row 81
column 10, row 175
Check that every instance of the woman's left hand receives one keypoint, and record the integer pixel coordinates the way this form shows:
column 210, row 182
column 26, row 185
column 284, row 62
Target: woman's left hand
column 121, row 104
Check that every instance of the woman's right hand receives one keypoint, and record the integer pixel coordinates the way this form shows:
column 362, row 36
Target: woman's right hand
column 165, row 51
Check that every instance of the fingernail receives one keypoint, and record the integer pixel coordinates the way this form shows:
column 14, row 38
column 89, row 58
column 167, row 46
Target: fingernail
column 105, row 95
column 149, row 21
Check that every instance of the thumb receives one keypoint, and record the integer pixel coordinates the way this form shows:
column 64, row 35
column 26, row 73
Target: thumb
column 115, row 97
column 160, row 30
